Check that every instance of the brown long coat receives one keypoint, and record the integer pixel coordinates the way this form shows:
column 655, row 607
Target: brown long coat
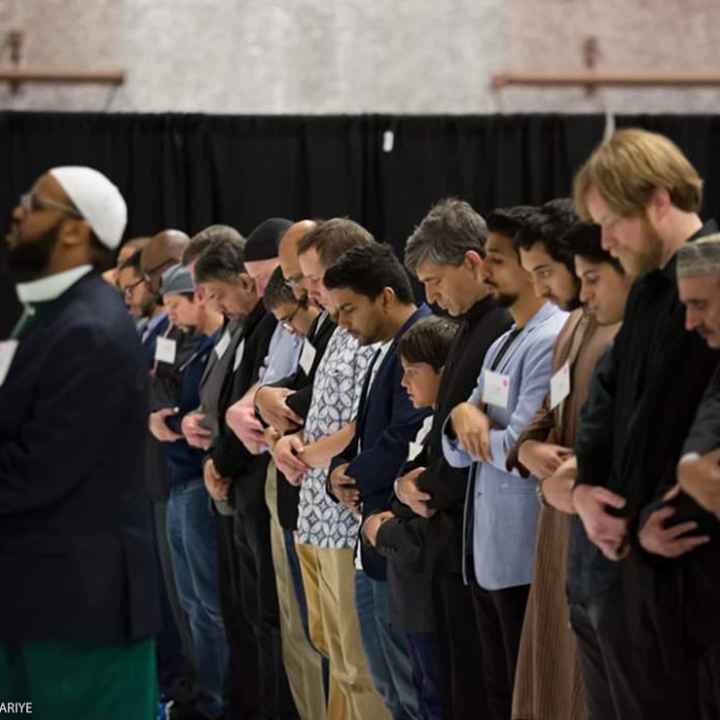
column 548, row 684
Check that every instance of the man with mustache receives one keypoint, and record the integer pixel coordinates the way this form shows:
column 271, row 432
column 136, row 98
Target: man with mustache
column 479, row 434
column 545, row 449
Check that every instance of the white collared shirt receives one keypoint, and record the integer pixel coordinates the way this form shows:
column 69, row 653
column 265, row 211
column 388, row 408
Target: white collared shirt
column 52, row 286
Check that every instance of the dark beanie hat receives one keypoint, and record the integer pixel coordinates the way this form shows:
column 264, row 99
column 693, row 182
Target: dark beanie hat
column 264, row 240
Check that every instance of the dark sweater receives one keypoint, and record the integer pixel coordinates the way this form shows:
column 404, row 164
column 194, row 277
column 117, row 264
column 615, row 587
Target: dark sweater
column 480, row 327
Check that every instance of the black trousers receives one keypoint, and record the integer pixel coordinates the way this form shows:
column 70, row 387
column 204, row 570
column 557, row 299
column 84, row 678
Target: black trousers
column 258, row 592
column 709, row 672
column 499, row 615
column 459, row 647
column 623, row 671
column 243, row 697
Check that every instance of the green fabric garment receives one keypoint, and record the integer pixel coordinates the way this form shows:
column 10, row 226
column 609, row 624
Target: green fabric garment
column 23, row 323
column 69, row 682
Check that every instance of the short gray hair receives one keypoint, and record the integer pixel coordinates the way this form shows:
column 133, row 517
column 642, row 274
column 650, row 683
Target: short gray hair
column 201, row 242
column 448, row 231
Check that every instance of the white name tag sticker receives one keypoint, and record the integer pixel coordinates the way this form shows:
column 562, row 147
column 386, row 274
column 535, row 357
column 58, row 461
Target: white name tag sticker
column 165, row 350
column 496, row 389
column 560, row 386
column 7, row 353
column 239, row 355
column 222, row 344
column 307, row 357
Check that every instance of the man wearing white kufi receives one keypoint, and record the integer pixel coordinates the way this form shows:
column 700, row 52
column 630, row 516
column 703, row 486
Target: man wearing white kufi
column 78, row 608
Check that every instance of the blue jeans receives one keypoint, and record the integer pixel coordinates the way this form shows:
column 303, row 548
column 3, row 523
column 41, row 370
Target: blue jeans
column 193, row 544
column 386, row 649
column 424, row 653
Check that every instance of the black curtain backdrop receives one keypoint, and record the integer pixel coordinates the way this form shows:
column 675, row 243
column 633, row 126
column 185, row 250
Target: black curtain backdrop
column 189, row 171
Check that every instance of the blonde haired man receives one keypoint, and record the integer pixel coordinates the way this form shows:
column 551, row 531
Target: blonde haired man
column 645, row 195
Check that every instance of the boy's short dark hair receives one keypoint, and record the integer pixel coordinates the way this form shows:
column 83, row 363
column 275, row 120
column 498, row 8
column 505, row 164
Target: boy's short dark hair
column 428, row 341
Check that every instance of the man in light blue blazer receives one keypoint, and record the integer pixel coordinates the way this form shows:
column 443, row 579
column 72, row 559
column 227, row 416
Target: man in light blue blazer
column 502, row 507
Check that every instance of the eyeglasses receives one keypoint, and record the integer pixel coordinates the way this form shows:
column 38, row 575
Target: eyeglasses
column 127, row 290
column 30, row 202
column 287, row 322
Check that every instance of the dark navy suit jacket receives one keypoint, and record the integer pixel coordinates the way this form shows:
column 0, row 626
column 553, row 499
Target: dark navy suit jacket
column 386, row 423
column 76, row 548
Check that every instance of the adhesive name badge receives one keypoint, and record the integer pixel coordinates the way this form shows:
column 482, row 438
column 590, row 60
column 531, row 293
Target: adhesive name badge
column 7, row 353
column 307, row 357
column 496, row 389
column 358, row 555
column 560, row 386
column 165, row 350
column 239, row 355
column 222, row 344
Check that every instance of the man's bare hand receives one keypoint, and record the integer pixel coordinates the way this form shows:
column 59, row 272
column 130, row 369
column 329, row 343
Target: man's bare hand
column 218, row 487
column 700, row 479
column 372, row 525
column 606, row 531
column 241, row 419
column 286, row 454
column 542, row 459
column 159, row 428
column 472, row 428
column 345, row 488
column 271, row 436
column 557, row 489
column 196, row 434
column 272, row 406
column 409, row 494
column 670, row 542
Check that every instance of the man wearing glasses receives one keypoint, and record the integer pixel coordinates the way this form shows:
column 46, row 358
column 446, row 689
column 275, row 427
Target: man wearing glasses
column 77, row 621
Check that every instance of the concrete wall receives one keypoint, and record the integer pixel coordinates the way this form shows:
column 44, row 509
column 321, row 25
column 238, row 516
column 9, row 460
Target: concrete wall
column 356, row 56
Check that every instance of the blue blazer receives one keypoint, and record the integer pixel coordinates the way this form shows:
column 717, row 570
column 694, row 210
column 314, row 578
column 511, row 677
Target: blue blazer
column 386, row 423
column 502, row 507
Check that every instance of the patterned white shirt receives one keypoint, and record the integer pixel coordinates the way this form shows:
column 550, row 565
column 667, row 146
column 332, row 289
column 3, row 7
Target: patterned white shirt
column 336, row 393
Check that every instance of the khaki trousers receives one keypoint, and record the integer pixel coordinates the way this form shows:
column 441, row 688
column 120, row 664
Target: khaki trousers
column 302, row 662
column 328, row 576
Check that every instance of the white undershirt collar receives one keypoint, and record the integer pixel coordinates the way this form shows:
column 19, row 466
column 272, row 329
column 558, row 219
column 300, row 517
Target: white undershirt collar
column 52, row 286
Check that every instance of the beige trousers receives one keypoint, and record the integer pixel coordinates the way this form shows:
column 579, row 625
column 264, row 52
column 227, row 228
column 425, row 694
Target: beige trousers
column 302, row 662
column 328, row 576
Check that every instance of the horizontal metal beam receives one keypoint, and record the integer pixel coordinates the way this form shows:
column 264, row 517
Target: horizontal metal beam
column 39, row 74
column 610, row 79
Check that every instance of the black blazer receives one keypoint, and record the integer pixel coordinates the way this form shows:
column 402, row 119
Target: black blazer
column 232, row 459
column 288, row 496
column 76, row 542
column 402, row 541
column 386, row 423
